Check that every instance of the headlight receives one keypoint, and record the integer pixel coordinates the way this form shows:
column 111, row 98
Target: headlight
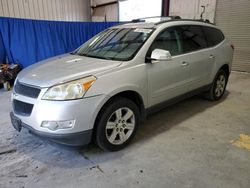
column 70, row 90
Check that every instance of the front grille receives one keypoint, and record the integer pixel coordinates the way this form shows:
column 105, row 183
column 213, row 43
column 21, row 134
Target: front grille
column 25, row 90
column 22, row 108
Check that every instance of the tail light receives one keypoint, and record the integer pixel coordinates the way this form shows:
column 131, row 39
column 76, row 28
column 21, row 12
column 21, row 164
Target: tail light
column 232, row 46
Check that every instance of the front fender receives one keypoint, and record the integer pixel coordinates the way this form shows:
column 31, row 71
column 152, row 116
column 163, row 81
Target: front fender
column 126, row 79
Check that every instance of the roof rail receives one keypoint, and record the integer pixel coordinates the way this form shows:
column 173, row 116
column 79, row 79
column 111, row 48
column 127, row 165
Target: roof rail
column 197, row 20
column 162, row 19
column 169, row 19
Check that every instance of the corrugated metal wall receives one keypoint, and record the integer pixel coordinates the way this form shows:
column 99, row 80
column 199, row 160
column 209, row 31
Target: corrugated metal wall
column 233, row 17
column 66, row 10
column 192, row 9
column 104, row 10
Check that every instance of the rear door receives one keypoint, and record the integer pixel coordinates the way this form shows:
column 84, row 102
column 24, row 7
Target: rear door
column 194, row 47
column 216, row 53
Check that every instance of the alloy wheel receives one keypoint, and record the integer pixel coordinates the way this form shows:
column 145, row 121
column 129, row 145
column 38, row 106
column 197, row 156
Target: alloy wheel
column 120, row 126
column 220, row 85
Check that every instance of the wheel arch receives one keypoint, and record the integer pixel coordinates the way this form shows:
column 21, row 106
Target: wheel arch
column 129, row 94
column 133, row 96
column 225, row 67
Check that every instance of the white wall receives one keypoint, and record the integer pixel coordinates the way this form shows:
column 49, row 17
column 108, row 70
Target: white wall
column 132, row 9
column 191, row 9
column 66, row 10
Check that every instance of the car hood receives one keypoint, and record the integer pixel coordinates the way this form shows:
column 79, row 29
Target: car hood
column 63, row 68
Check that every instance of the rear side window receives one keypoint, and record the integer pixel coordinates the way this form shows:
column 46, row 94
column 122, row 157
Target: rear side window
column 192, row 38
column 214, row 36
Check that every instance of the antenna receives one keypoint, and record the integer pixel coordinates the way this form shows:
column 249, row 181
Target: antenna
column 203, row 11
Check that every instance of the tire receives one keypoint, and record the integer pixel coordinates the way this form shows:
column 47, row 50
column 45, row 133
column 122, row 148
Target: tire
column 116, row 124
column 218, row 87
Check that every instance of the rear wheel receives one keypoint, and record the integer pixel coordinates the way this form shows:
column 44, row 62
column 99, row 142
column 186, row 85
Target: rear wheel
column 117, row 124
column 218, row 87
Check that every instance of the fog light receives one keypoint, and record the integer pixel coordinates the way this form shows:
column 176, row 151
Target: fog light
column 55, row 125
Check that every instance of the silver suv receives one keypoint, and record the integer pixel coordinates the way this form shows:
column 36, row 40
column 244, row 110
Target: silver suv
column 105, row 88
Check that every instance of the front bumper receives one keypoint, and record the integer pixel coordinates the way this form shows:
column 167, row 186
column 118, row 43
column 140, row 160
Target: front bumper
column 71, row 139
column 83, row 112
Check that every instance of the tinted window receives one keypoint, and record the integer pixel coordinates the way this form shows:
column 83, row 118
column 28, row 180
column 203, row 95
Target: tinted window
column 167, row 40
column 213, row 35
column 192, row 38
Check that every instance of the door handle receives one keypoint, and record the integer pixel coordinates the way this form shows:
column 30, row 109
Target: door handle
column 184, row 64
column 211, row 57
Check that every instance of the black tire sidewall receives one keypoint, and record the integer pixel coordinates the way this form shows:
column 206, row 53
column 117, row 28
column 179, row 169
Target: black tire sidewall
column 107, row 110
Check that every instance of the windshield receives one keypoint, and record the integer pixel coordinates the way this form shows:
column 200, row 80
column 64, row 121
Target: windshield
column 115, row 44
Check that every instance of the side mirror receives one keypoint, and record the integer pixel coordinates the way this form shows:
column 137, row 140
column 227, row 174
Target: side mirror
column 160, row 55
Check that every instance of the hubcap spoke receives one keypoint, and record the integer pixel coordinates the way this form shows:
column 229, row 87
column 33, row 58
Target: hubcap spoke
column 129, row 126
column 113, row 136
column 110, row 125
column 221, row 90
column 118, row 113
column 216, row 90
column 128, row 115
column 223, row 84
column 222, row 78
column 123, row 137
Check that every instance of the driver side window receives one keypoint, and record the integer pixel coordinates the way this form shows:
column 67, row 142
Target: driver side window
column 167, row 40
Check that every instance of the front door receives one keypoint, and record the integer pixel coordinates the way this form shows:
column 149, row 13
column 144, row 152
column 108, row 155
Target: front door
column 167, row 79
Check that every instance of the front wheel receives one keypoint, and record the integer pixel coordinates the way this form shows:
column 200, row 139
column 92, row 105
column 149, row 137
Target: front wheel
column 117, row 124
column 218, row 87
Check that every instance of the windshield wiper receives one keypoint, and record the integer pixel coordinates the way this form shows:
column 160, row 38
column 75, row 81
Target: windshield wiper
column 100, row 57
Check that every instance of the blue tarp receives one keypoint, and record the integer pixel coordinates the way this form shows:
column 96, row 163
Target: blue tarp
column 2, row 50
column 29, row 41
